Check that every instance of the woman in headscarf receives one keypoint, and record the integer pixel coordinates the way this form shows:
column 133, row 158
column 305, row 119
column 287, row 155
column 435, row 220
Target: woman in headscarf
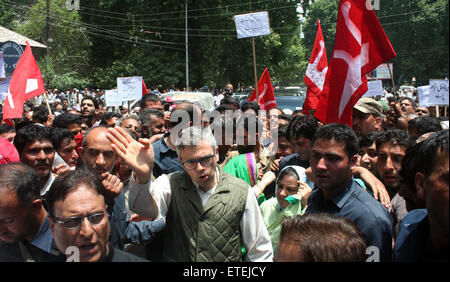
column 245, row 167
column 292, row 192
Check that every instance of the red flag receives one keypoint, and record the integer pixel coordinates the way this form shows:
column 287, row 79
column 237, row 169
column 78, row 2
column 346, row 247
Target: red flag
column 144, row 88
column 265, row 92
column 360, row 46
column 315, row 73
column 26, row 83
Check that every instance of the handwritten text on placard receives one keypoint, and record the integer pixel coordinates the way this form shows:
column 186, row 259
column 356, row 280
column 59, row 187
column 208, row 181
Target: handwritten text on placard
column 253, row 24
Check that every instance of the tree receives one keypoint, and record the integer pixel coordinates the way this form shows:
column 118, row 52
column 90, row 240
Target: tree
column 68, row 49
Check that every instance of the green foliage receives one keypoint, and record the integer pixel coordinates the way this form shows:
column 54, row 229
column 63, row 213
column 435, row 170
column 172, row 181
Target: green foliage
column 107, row 39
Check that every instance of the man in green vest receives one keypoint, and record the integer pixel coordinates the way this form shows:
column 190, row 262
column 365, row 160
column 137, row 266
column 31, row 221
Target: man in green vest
column 209, row 214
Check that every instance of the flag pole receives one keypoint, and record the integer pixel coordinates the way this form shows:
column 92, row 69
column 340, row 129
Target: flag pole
column 46, row 102
column 254, row 67
column 393, row 84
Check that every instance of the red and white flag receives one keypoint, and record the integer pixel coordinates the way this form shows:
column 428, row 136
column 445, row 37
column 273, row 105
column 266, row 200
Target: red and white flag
column 144, row 88
column 315, row 73
column 360, row 46
column 26, row 83
column 266, row 97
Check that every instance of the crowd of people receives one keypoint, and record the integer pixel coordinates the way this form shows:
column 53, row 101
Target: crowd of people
column 170, row 181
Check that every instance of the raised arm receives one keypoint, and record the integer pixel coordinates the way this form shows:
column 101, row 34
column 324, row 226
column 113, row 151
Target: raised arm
column 138, row 156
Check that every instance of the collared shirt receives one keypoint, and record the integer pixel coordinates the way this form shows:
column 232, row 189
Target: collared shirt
column 354, row 203
column 254, row 232
column 166, row 159
column 47, row 185
column 43, row 238
column 413, row 242
column 42, row 248
column 293, row 159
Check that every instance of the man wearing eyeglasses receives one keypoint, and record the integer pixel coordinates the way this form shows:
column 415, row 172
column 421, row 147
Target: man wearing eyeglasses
column 98, row 156
column 25, row 235
column 79, row 221
column 209, row 214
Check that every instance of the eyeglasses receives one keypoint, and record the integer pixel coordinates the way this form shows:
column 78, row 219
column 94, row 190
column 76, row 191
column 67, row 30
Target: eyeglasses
column 75, row 221
column 204, row 161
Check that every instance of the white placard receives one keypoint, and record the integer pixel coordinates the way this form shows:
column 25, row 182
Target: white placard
column 2, row 66
column 424, row 93
column 253, row 24
column 112, row 98
column 374, row 88
column 438, row 92
column 130, row 88
column 4, row 86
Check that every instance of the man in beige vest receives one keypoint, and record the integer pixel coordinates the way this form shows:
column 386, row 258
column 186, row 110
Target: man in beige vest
column 210, row 215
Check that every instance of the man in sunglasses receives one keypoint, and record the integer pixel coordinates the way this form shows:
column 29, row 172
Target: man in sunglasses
column 209, row 214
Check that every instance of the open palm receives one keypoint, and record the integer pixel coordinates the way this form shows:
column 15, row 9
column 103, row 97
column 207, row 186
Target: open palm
column 138, row 156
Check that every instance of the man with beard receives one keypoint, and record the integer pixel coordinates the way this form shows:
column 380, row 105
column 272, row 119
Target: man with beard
column 89, row 109
column 25, row 234
column 33, row 142
column 391, row 146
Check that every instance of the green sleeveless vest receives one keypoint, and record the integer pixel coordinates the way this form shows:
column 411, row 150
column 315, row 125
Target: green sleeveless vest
column 210, row 234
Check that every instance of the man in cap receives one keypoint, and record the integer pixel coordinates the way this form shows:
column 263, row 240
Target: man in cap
column 367, row 116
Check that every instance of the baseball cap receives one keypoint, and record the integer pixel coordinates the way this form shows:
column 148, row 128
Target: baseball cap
column 8, row 152
column 369, row 106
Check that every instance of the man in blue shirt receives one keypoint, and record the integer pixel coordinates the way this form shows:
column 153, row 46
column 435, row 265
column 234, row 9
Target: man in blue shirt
column 166, row 158
column 423, row 233
column 300, row 131
column 334, row 150
column 24, row 229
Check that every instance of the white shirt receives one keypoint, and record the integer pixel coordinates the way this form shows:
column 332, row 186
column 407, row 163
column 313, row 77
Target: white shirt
column 254, row 232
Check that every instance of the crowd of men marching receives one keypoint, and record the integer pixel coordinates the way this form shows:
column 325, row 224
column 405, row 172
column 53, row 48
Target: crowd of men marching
column 90, row 183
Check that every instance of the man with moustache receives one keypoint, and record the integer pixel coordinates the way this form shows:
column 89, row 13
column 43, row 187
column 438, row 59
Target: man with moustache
column 33, row 142
column 391, row 146
column 98, row 156
column 367, row 116
column 74, row 197
column 89, row 109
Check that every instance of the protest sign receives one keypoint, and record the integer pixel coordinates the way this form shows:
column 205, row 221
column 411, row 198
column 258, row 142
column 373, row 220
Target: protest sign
column 2, row 66
column 112, row 98
column 423, row 92
column 374, row 88
column 253, row 24
column 129, row 88
column 438, row 92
